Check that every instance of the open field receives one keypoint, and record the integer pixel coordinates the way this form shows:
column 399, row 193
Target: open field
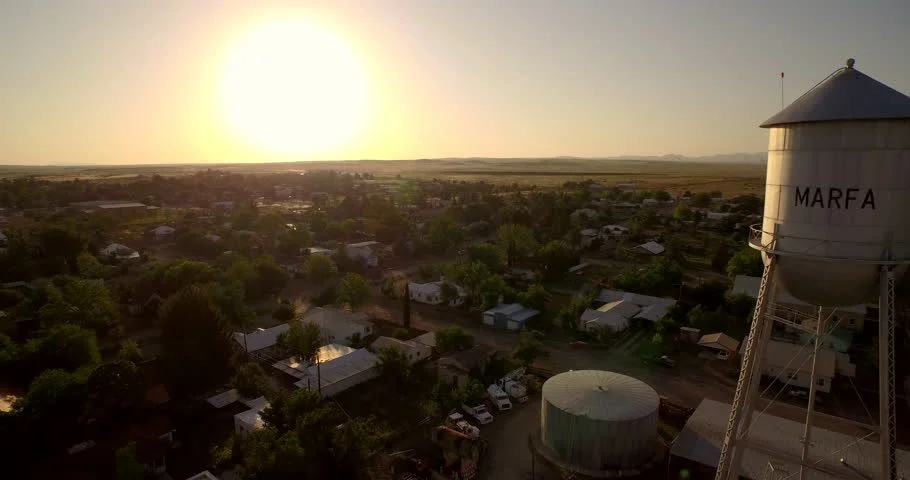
column 731, row 178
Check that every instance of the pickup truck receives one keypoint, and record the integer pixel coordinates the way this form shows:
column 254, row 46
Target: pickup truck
column 478, row 412
column 499, row 398
column 457, row 422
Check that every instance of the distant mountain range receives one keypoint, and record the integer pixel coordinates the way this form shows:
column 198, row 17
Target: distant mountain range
column 759, row 158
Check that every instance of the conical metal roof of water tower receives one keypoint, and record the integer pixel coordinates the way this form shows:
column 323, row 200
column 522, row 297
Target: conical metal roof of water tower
column 847, row 94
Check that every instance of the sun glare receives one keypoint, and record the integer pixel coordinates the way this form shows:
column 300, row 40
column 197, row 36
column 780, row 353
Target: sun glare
column 290, row 87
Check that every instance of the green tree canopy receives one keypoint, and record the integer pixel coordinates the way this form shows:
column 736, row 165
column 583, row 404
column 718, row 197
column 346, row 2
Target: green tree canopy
column 453, row 339
column 130, row 351
column 67, row 347
column 528, row 349
column 518, row 242
column 195, row 347
column 89, row 266
column 489, row 255
column 555, row 258
column 284, row 312
column 394, row 366
column 319, row 268
column 250, row 380
column 302, row 339
column 353, row 290
column 747, row 261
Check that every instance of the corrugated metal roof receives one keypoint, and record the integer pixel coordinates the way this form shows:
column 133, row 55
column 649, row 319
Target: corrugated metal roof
column 703, row 435
column 847, row 95
column 600, row 395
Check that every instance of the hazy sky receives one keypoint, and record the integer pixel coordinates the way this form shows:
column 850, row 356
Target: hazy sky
column 133, row 81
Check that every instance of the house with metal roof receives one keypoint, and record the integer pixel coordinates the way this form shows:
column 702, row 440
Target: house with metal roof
column 614, row 316
column 456, row 367
column 719, row 344
column 773, row 448
column 338, row 374
column 414, row 351
column 511, row 316
column 338, row 326
column 261, row 338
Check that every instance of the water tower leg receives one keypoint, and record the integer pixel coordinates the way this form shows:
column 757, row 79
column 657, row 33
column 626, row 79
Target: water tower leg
column 810, row 407
column 886, row 377
column 749, row 376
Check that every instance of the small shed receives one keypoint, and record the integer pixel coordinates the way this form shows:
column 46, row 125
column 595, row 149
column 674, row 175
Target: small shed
column 719, row 344
column 652, row 248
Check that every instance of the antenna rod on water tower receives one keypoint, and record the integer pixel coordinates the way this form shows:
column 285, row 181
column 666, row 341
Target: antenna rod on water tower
column 781, row 90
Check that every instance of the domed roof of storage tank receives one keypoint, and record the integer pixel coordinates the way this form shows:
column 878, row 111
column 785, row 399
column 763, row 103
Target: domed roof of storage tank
column 600, row 395
column 847, row 95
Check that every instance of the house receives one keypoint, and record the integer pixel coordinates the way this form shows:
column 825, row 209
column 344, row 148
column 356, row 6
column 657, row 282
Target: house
column 651, row 248
column 3, row 238
column 338, row 326
column 431, row 293
column 789, row 308
column 588, row 236
column 162, row 231
column 109, row 206
column 791, row 364
column 212, row 237
column 223, row 205
column 119, row 252
column 456, row 368
column 511, row 316
column 717, row 216
column 251, row 420
column 203, row 475
column 614, row 230
column 650, row 202
column 261, row 338
column 774, row 446
column 613, row 316
column 364, row 252
column 320, row 252
column 336, row 372
column 719, row 344
column 428, row 339
column 652, row 308
column 414, row 351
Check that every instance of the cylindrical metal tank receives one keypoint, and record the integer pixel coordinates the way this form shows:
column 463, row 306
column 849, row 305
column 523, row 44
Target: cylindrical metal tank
column 838, row 184
column 599, row 420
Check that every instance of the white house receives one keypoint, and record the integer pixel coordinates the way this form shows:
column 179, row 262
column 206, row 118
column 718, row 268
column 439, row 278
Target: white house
column 791, row 364
column 650, row 202
column 338, row 326
column 415, row 351
column 162, row 231
column 119, row 251
column 431, row 293
column 717, row 216
column 261, row 338
column 428, row 339
column 320, row 252
column 363, row 251
column 251, row 420
column 512, row 316
column 614, row 316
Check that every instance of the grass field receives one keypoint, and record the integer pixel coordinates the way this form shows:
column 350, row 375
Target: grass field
column 730, row 178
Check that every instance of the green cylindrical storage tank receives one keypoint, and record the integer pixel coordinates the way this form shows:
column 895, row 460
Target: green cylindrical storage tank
column 599, row 420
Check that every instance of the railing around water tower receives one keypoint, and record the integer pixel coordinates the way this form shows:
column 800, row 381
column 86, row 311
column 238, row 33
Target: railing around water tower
column 772, row 242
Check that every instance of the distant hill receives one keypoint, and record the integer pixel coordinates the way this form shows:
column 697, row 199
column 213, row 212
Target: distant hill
column 737, row 158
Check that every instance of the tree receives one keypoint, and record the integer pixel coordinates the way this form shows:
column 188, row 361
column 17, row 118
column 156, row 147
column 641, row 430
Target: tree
column 394, row 366
column 89, row 266
column 113, row 388
column 528, row 349
column 54, row 403
column 443, row 234
column 406, row 307
column 230, row 298
column 195, row 347
column 682, row 212
column 250, row 380
column 428, row 272
column 720, row 257
column 284, row 312
column 518, row 241
column 353, row 290
column 747, row 261
column 59, row 247
column 271, row 277
column 536, row 297
column 128, row 467
column 453, row 339
column 82, row 302
column 701, row 200
column 489, row 255
column 130, row 351
column 556, row 257
column 302, row 339
column 66, row 347
column 319, row 268
column 197, row 243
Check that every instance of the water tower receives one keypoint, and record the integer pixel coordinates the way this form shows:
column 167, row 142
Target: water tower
column 835, row 233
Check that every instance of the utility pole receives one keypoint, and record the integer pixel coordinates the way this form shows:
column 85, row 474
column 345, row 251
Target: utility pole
column 406, row 308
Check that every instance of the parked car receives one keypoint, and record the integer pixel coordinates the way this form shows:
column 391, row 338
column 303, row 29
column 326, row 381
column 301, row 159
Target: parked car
column 803, row 395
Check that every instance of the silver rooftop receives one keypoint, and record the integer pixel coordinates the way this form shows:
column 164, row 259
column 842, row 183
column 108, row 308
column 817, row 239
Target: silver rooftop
column 847, row 94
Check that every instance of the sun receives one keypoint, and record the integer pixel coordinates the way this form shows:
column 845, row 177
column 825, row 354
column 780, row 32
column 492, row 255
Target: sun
column 290, row 87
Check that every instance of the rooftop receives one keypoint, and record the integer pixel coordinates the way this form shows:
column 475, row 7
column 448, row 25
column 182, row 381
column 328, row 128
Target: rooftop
column 325, row 316
column 702, row 437
column 516, row 312
column 791, row 356
column 600, row 395
column 468, row 359
column 262, row 338
column 607, row 296
column 719, row 340
column 338, row 369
